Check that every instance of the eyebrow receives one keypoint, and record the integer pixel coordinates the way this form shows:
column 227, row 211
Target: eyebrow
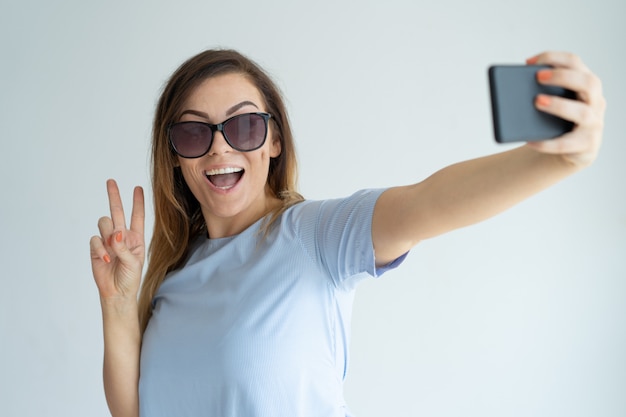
column 229, row 112
column 240, row 105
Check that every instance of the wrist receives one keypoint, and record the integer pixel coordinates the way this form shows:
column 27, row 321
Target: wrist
column 566, row 164
column 566, row 153
column 119, row 306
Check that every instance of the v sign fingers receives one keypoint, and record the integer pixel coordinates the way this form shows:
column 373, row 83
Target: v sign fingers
column 134, row 237
column 118, row 255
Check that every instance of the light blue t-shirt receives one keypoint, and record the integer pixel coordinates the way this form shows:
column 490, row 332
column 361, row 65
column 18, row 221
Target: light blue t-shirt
column 259, row 326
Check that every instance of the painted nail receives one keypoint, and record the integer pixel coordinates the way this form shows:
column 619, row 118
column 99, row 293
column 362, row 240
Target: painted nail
column 107, row 259
column 109, row 240
column 544, row 75
column 543, row 100
column 118, row 237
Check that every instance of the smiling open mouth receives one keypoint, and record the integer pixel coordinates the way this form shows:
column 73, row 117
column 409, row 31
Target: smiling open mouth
column 224, row 178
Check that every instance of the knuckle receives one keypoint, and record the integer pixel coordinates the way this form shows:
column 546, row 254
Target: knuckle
column 603, row 104
column 587, row 116
column 592, row 83
column 572, row 59
column 595, row 82
column 598, row 83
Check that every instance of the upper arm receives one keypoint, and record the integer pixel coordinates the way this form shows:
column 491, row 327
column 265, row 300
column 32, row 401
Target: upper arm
column 396, row 223
column 336, row 234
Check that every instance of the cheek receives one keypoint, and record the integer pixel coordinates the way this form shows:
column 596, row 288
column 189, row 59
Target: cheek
column 190, row 176
column 260, row 166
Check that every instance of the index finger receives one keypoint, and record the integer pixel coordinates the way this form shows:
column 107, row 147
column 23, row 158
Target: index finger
column 137, row 217
column 559, row 59
column 115, row 205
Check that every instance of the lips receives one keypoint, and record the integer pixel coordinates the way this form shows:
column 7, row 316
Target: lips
column 225, row 178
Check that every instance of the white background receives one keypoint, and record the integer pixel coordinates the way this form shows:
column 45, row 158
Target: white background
column 522, row 315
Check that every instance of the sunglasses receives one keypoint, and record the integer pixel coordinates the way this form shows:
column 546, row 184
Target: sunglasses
column 244, row 133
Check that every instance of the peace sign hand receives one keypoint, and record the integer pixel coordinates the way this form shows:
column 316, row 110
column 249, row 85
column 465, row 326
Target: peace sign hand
column 118, row 254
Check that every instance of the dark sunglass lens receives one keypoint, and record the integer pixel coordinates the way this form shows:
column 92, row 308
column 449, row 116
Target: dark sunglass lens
column 190, row 139
column 246, row 132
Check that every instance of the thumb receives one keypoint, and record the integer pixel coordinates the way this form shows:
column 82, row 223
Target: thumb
column 120, row 249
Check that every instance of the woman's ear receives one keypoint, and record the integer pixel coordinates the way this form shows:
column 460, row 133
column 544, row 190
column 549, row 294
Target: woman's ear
column 275, row 147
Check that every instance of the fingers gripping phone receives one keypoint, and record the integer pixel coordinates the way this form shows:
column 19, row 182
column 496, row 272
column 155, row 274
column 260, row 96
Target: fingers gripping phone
column 513, row 90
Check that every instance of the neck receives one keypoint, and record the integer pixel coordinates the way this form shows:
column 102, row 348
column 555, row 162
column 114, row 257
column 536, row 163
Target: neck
column 226, row 226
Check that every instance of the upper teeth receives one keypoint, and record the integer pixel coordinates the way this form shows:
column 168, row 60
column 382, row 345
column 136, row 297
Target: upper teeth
column 222, row 171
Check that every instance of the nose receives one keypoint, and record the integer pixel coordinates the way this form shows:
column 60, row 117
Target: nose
column 219, row 144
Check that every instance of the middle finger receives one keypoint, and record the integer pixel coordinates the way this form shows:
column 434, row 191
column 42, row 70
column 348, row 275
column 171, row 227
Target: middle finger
column 585, row 84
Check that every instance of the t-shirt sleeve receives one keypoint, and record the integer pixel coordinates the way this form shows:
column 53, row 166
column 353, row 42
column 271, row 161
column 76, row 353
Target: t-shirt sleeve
column 337, row 234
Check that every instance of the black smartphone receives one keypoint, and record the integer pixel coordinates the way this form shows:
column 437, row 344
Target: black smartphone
column 513, row 90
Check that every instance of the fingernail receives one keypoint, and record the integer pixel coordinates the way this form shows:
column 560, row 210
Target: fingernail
column 118, row 237
column 109, row 240
column 544, row 75
column 106, row 258
column 532, row 61
column 543, row 100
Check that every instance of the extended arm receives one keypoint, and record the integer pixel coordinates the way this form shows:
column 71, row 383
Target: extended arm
column 117, row 258
column 472, row 191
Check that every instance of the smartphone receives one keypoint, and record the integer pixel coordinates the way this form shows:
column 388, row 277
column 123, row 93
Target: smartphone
column 513, row 90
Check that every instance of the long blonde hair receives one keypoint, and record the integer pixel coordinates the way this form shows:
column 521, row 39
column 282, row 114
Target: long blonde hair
column 178, row 220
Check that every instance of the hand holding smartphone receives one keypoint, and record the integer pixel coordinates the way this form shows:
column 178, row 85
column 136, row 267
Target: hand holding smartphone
column 513, row 90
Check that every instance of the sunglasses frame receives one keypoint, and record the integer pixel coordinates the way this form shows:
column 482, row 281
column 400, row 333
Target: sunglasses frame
column 219, row 128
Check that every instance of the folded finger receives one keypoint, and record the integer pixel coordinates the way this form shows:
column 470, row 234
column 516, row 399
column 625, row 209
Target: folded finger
column 586, row 84
column 577, row 112
column 105, row 226
column 98, row 251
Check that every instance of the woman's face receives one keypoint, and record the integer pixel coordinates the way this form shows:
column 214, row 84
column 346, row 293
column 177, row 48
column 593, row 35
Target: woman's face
column 231, row 186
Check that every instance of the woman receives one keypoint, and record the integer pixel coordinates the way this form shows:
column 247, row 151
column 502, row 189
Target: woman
column 245, row 306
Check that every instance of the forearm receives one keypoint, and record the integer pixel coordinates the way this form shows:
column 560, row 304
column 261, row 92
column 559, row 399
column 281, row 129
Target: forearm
column 122, row 342
column 471, row 191
column 460, row 195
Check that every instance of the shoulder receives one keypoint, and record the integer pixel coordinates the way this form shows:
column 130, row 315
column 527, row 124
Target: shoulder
column 312, row 215
column 307, row 208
